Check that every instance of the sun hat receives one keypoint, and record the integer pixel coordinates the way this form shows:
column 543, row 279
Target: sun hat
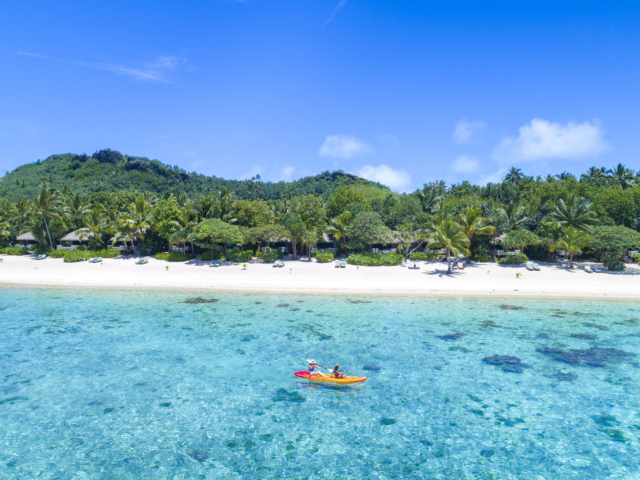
column 311, row 361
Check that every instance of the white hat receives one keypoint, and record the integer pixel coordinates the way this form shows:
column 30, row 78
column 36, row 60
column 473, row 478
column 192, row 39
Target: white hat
column 311, row 361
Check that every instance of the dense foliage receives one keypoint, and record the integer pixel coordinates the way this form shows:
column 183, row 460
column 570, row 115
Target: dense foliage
column 377, row 260
column 324, row 257
column 148, row 206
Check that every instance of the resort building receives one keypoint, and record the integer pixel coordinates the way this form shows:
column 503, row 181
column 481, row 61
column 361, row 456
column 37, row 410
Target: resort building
column 72, row 240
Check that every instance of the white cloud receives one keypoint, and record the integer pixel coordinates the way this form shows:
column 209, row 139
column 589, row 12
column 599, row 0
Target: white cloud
column 338, row 7
column 542, row 139
column 255, row 170
column 284, row 174
column 465, row 164
column 154, row 71
column 384, row 174
column 344, row 146
column 495, row 177
column 465, row 130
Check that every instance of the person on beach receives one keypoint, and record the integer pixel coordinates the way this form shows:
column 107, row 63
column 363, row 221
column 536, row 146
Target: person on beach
column 337, row 374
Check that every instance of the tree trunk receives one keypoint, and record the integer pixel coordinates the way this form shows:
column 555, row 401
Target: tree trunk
column 48, row 233
column 570, row 260
column 293, row 245
column 449, row 264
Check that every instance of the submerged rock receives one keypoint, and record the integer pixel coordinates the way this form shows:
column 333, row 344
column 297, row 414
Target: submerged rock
column 387, row 421
column 565, row 377
column 595, row 325
column 199, row 300
column 373, row 368
column 199, row 456
column 583, row 336
column 360, row 301
column 283, row 305
column 511, row 307
column 593, row 357
column 452, row 336
column 283, row 395
column 507, row 363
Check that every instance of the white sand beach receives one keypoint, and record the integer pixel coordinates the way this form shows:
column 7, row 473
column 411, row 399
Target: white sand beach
column 303, row 276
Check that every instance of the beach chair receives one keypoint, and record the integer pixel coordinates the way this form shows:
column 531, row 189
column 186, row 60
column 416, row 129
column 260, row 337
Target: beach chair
column 415, row 266
column 41, row 257
column 460, row 265
column 337, row 263
column 595, row 268
column 276, row 264
column 588, row 269
column 142, row 261
column 536, row 267
column 454, row 265
column 343, row 264
column 281, row 264
column 218, row 263
column 530, row 267
column 95, row 260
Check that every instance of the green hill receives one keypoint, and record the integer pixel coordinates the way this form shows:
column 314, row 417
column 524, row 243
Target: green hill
column 111, row 171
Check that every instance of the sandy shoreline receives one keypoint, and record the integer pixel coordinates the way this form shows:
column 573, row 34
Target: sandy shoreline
column 304, row 277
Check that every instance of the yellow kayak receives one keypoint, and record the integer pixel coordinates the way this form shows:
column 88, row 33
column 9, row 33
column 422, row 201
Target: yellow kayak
column 330, row 379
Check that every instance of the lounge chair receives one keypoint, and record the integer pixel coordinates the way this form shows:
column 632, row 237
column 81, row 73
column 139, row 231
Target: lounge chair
column 454, row 265
column 142, row 261
column 281, row 264
column 276, row 264
column 215, row 263
column 536, row 267
column 588, row 269
column 218, row 263
column 95, row 260
column 530, row 267
column 343, row 264
column 41, row 257
column 415, row 267
column 595, row 268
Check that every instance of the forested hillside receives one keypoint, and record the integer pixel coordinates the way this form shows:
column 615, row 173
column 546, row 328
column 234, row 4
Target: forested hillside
column 111, row 171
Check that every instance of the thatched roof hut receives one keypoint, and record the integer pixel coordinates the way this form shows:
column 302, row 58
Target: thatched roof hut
column 26, row 237
column 80, row 235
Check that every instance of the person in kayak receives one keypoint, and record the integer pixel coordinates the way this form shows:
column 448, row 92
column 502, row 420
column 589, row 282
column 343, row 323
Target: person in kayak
column 312, row 367
column 337, row 374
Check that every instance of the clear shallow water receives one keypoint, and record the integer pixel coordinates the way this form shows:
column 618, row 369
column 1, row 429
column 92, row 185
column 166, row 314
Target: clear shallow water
column 137, row 385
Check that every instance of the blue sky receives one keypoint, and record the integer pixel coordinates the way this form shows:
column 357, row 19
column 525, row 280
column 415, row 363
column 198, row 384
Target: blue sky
column 402, row 92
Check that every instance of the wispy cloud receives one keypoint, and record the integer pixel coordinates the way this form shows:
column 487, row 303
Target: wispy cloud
column 336, row 10
column 541, row 139
column 465, row 164
column 344, row 146
column 154, row 71
column 384, row 174
column 465, row 130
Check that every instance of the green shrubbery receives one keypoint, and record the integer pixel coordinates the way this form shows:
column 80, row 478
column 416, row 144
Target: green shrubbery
column 14, row 251
column 42, row 249
column 425, row 256
column 514, row 259
column 613, row 263
column 176, row 256
column 377, row 260
column 72, row 256
column 211, row 255
column 239, row 256
column 636, row 258
column 271, row 256
column 107, row 253
column 57, row 253
column 162, row 256
column 324, row 257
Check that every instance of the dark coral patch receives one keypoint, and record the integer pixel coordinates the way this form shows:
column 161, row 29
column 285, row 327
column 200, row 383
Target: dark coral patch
column 506, row 363
column 452, row 336
column 583, row 336
column 593, row 357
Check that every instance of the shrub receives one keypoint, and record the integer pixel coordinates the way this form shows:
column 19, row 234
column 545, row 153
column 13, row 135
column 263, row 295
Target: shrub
column 14, row 251
column 211, row 255
column 324, row 257
column 239, row 255
column 162, row 256
column 73, row 256
column 107, row 253
column 271, row 256
column 636, row 258
column 57, row 254
column 377, row 260
column 42, row 249
column 81, row 248
column 176, row 256
column 514, row 259
column 613, row 263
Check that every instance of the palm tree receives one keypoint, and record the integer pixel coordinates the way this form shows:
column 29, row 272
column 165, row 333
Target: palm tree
column 514, row 176
column 339, row 227
column 431, row 196
column 572, row 241
column 45, row 206
column 97, row 224
column 594, row 174
column 565, row 176
column 310, row 239
column 76, row 207
column 473, row 223
column 512, row 214
column 185, row 222
column 140, row 214
column 449, row 235
column 4, row 230
column 575, row 212
column 622, row 175
column 126, row 230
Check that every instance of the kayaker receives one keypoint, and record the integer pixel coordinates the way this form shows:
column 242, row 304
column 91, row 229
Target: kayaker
column 337, row 373
column 312, row 367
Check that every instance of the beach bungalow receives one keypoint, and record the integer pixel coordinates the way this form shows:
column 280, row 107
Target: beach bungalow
column 72, row 240
column 496, row 243
column 328, row 243
column 26, row 240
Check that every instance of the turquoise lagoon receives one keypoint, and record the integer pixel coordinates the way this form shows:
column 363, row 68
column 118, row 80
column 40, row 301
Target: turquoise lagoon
column 140, row 385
